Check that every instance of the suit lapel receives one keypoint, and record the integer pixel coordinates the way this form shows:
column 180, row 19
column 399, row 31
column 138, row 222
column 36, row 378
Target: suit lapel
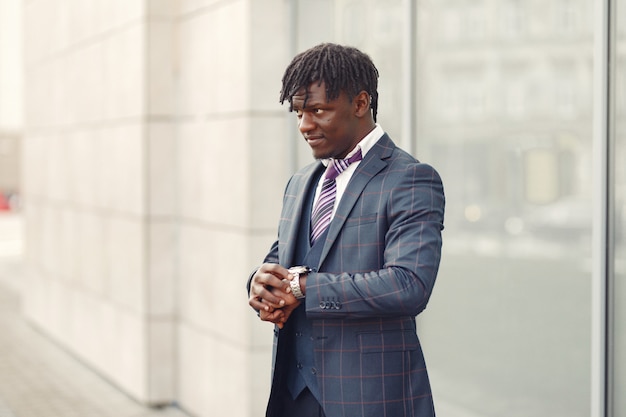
column 287, row 251
column 371, row 165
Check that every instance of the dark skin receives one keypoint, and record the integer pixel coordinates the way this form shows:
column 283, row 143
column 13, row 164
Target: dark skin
column 332, row 129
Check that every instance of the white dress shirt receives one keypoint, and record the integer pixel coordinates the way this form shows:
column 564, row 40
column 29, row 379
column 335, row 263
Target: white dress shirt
column 343, row 179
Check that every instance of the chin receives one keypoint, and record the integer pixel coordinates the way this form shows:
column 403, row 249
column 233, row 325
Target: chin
column 320, row 155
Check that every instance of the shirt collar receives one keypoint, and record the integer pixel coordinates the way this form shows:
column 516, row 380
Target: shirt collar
column 365, row 144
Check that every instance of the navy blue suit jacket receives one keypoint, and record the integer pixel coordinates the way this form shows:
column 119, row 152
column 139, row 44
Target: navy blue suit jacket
column 376, row 273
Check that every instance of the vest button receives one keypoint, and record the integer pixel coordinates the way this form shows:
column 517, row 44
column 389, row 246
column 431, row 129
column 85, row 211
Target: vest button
column 314, row 371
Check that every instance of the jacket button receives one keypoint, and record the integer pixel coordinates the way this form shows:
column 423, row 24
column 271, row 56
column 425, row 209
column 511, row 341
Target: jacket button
column 314, row 371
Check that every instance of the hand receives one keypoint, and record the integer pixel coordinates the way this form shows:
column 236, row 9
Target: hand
column 270, row 294
column 280, row 315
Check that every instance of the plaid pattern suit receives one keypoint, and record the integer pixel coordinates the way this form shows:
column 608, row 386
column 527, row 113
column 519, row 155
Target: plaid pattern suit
column 376, row 273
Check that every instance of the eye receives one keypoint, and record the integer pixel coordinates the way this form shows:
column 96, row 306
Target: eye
column 318, row 111
column 298, row 113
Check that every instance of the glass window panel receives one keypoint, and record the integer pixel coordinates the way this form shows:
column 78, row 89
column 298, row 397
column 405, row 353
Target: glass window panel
column 505, row 117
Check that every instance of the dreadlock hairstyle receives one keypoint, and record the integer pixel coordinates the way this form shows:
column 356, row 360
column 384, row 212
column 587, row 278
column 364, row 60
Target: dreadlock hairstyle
column 339, row 67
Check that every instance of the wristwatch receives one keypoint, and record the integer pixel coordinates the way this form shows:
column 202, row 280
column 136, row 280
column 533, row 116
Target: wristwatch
column 296, row 271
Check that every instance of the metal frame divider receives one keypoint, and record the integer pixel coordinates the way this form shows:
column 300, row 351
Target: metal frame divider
column 603, row 184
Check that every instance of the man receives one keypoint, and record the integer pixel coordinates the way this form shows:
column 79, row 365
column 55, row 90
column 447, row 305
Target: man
column 358, row 249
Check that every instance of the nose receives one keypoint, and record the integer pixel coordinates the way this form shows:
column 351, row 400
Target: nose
column 305, row 123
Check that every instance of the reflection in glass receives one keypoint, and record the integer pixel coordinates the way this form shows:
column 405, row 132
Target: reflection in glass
column 504, row 113
column 505, row 117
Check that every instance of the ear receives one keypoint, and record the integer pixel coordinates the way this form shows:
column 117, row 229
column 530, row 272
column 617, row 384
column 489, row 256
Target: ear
column 362, row 104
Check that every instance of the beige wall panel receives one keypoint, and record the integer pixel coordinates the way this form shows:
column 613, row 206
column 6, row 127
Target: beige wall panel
column 49, row 236
column 129, row 367
column 162, row 148
column 37, row 43
column 259, row 244
column 122, row 175
column 146, row 123
column 268, row 51
column 215, row 75
column 112, row 14
column 48, row 306
column 11, row 86
column 32, row 235
column 81, row 20
column 33, row 155
column 124, row 72
column 34, row 85
column 161, row 361
column 199, row 6
column 270, row 166
column 91, row 332
column 228, row 160
column 232, row 59
column 260, row 362
column 212, row 260
column 195, row 351
column 160, row 61
column 212, row 375
column 196, row 86
column 85, row 83
column 162, row 285
column 68, row 247
column 126, row 263
column 57, row 178
column 214, row 165
column 91, row 257
column 82, row 166
column 193, row 164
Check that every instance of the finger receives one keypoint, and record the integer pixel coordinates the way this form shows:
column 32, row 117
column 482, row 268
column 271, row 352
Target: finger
column 259, row 304
column 275, row 317
column 275, row 269
column 272, row 275
column 268, row 298
column 262, row 288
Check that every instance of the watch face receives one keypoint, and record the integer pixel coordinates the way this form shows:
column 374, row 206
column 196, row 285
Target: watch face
column 299, row 269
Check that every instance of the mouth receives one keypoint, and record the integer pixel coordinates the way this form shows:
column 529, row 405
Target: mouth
column 314, row 140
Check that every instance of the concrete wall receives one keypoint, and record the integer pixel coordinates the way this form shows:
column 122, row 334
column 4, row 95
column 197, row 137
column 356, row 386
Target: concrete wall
column 232, row 169
column 11, row 115
column 154, row 161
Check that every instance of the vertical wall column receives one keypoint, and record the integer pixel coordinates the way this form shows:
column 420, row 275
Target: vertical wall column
column 99, row 186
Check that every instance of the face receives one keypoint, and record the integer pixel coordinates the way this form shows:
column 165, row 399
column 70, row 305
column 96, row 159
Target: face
column 332, row 129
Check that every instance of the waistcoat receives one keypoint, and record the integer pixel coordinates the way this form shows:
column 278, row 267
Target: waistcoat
column 301, row 371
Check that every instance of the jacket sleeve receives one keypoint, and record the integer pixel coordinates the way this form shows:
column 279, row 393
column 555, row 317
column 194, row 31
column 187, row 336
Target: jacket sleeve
column 385, row 266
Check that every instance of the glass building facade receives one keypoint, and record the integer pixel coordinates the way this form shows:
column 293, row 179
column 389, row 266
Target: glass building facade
column 521, row 106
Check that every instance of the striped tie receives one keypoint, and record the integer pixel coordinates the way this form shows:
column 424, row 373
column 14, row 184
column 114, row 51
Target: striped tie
column 323, row 210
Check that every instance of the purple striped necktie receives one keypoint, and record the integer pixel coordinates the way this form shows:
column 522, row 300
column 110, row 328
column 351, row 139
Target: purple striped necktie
column 322, row 213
